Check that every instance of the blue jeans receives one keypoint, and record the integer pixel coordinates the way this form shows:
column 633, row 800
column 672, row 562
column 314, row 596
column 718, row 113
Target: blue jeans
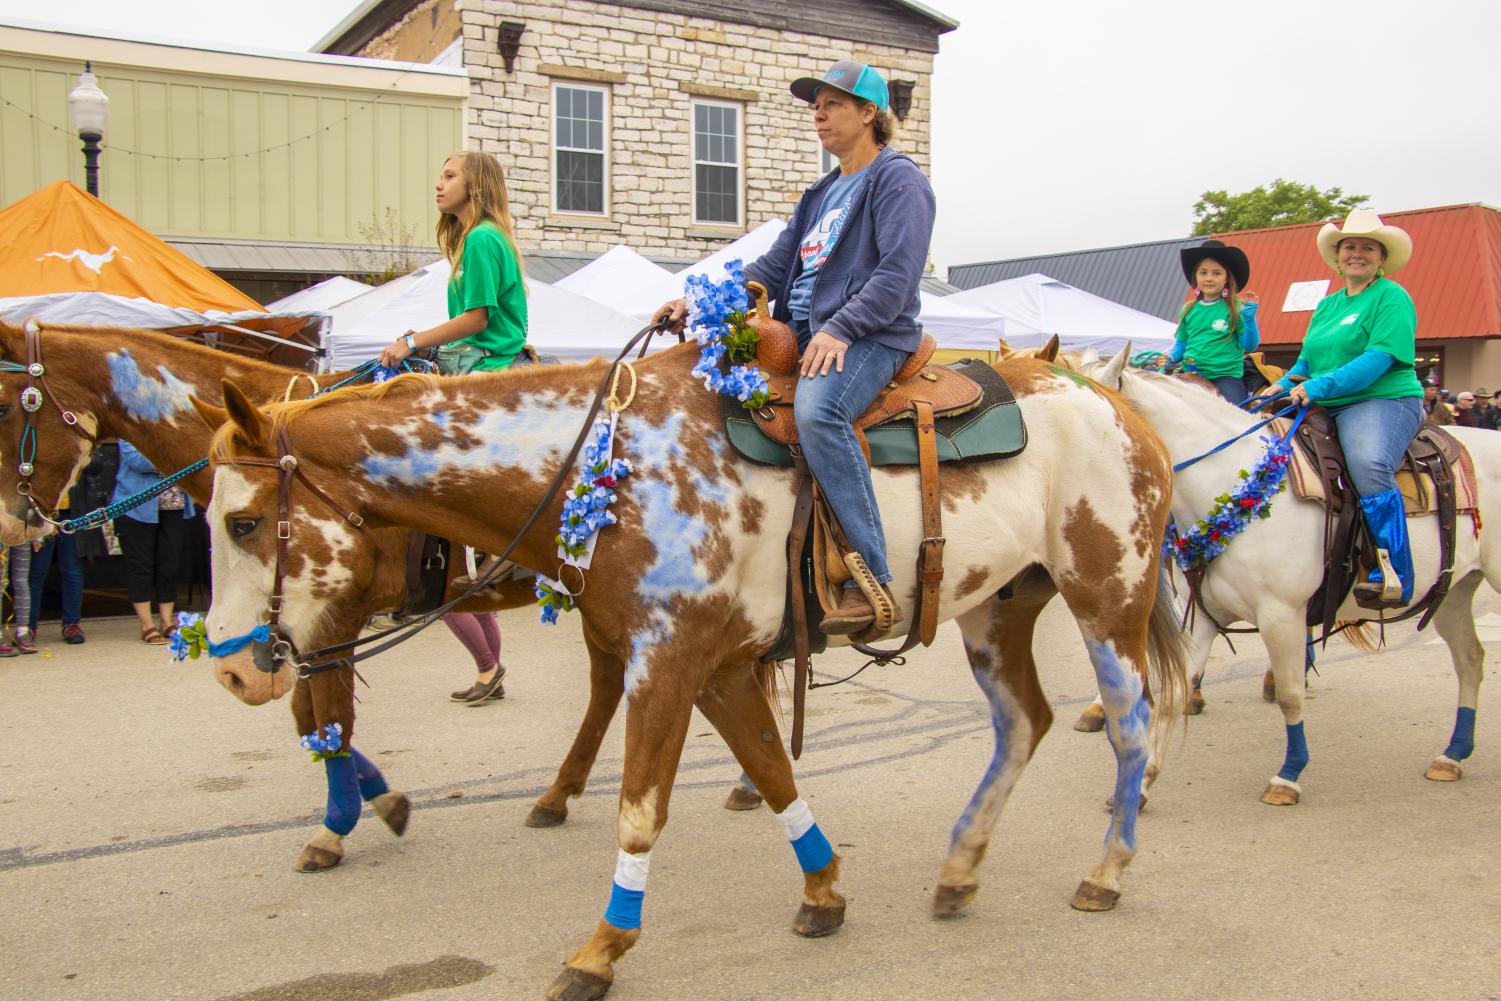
column 1231, row 387
column 827, row 406
column 1375, row 435
column 66, row 549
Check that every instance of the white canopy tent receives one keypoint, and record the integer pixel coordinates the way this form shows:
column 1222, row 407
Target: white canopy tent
column 1036, row 307
column 261, row 332
column 559, row 322
column 624, row 281
column 321, row 296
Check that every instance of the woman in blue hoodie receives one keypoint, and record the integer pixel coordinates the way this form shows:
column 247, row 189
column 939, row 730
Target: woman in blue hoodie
column 844, row 274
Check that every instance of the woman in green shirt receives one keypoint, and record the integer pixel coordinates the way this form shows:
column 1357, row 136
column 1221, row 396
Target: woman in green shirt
column 1358, row 359
column 485, row 331
column 1218, row 326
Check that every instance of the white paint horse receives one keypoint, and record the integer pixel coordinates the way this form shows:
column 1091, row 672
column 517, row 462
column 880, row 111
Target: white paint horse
column 688, row 589
column 1267, row 575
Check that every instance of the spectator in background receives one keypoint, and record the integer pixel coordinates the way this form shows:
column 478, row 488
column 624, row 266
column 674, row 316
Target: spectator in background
column 90, row 492
column 1465, row 413
column 151, row 537
column 1490, row 416
column 1437, row 410
column 18, row 575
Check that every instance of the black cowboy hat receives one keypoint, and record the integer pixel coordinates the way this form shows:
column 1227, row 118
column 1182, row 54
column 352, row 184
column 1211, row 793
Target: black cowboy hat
column 1233, row 259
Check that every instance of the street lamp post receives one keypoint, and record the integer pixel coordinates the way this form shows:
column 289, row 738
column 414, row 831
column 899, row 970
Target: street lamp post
column 88, row 110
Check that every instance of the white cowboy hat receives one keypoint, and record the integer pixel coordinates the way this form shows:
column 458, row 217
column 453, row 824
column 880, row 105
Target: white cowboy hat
column 1364, row 222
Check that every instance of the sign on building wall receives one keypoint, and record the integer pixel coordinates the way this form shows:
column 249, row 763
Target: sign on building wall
column 1302, row 297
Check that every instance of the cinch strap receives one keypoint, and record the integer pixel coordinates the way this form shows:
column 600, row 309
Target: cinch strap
column 812, row 849
column 628, row 890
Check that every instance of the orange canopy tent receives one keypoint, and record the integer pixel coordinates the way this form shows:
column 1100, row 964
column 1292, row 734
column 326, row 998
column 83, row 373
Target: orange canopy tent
column 68, row 258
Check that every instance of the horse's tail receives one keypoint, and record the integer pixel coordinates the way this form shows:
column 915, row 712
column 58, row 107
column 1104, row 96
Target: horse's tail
column 1167, row 653
column 766, row 680
column 1360, row 636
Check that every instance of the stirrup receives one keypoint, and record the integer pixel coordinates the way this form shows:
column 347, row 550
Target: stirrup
column 881, row 600
column 1390, row 593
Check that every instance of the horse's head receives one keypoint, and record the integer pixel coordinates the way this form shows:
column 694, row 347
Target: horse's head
column 285, row 551
column 44, row 444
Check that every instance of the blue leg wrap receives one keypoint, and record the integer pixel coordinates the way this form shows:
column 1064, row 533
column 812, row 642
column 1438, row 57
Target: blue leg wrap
column 1462, row 744
column 813, row 850
column 1387, row 520
column 343, row 810
column 372, row 782
column 624, row 911
column 1297, row 754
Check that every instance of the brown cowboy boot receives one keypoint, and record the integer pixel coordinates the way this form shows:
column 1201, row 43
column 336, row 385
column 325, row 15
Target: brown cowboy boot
column 855, row 613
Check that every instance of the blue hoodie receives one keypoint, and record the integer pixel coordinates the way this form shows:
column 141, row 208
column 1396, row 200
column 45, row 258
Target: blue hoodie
column 868, row 286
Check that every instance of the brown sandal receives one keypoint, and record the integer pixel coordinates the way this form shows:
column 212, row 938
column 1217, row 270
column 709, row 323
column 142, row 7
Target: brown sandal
column 153, row 636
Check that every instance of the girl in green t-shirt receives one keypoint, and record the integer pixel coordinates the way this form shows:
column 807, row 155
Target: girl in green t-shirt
column 485, row 331
column 1358, row 359
column 1218, row 325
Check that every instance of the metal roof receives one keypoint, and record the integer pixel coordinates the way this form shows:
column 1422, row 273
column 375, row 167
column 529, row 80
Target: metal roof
column 1144, row 276
column 1454, row 276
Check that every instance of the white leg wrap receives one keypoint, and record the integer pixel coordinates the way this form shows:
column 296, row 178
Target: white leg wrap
column 796, row 819
column 1447, row 760
column 1278, row 780
column 631, row 870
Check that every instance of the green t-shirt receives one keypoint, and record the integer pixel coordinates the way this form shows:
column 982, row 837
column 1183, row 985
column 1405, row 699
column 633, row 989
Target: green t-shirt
column 489, row 275
column 1344, row 327
column 1204, row 329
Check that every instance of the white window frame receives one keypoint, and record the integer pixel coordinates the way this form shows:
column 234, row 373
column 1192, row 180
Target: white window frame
column 739, row 109
column 826, row 161
column 552, row 129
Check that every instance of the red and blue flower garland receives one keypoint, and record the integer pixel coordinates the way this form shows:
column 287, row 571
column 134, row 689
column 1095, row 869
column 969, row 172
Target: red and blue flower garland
column 1232, row 512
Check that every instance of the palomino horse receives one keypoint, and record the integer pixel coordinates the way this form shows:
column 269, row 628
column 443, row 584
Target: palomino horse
column 688, row 589
column 135, row 385
column 1267, row 575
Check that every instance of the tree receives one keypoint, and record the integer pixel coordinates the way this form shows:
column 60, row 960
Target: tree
column 1284, row 204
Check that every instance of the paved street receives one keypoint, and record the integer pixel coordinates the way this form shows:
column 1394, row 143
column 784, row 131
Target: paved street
column 149, row 824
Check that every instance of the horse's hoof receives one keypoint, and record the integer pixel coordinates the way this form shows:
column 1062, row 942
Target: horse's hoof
column 1091, row 720
column 577, row 985
column 741, row 798
column 1195, row 705
column 395, row 809
column 1444, row 770
column 948, row 901
column 1280, row 793
column 1269, row 687
column 315, row 859
column 545, row 816
column 816, row 922
column 1094, row 898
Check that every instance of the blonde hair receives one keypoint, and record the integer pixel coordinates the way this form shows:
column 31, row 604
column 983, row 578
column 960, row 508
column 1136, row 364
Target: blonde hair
column 485, row 187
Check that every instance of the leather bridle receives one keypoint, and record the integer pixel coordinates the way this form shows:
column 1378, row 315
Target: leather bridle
column 37, row 394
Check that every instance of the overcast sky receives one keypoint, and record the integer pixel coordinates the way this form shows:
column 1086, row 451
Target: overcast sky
column 1070, row 124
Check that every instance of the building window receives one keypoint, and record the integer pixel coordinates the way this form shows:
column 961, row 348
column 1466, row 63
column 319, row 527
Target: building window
column 826, row 161
column 580, row 124
column 716, row 163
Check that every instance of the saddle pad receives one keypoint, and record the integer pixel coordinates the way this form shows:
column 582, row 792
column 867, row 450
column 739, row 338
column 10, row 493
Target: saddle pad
column 1308, row 485
column 994, row 429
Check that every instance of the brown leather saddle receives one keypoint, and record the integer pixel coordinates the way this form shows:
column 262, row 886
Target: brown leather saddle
column 919, row 391
column 1431, row 461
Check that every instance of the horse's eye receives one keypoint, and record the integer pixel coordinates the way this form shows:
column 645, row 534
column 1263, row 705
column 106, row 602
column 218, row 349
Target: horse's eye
column 4, row 410
column 241, row 527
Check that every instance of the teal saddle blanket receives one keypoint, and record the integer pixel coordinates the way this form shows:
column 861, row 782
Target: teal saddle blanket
column 992, row 430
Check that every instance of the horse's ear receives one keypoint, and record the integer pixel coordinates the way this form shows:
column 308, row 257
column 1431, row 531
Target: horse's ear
column 1110, row 375
column 1089, row 356
column 212, row 416
column 1006, row 350
column 1049, row 350
column 254, row 425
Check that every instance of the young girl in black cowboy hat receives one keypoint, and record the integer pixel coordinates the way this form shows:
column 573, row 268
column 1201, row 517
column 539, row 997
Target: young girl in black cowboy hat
column 1218, row 326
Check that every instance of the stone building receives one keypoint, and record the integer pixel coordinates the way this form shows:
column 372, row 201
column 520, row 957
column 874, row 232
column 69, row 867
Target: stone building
column 664, row 124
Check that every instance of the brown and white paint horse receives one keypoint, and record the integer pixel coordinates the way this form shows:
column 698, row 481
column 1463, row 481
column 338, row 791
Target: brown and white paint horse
column 688, row 589
column 136, row 385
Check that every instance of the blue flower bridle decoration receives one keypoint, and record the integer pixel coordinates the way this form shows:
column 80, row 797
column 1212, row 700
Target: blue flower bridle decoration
column 1233, row 512
column 586, row 509
column 716, row 318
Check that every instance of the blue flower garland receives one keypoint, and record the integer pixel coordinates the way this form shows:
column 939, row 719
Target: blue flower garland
column 716, row 317
column 329, row 745
column 586, row 510
column 1232, row 512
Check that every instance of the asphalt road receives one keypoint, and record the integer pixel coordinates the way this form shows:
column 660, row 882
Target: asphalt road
column 148, row 823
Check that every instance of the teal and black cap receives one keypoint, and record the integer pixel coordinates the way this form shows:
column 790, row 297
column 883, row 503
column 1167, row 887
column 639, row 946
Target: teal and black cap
column 851, row 77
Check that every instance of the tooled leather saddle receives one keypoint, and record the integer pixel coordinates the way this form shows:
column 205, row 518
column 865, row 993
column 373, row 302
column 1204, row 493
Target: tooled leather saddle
column 1431, row 461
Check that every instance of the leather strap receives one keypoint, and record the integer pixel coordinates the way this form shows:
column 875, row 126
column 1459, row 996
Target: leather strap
column 930, row 553
column 797, row 537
